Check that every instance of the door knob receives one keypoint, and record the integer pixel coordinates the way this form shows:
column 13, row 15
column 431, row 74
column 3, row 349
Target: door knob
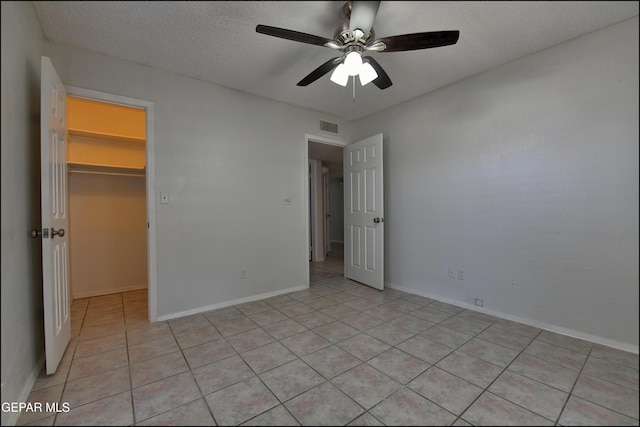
column 55, row 232
column 377, row 220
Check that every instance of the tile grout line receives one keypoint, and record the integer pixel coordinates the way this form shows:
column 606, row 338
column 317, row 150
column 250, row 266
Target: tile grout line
column 361, row 362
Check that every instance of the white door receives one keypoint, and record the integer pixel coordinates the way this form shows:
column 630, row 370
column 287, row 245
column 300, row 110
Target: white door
column 55, row 221
column 364, row 212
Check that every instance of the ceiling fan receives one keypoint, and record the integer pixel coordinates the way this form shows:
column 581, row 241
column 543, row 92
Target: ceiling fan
column 354, row 38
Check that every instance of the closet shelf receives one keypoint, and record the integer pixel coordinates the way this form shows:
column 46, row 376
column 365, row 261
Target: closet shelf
column 80, row 132
column 102, row 169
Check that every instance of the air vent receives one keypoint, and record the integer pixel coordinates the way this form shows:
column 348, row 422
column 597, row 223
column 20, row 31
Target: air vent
column 328, row 127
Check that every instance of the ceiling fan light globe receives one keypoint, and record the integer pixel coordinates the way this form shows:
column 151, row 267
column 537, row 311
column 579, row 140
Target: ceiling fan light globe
column 367, row 74
column 340, row 75
column 353, row 63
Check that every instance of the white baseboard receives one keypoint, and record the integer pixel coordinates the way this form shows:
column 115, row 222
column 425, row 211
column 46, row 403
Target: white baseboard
column 542, row 325
column 12, row 417
column 230, row 303
column 108, row 291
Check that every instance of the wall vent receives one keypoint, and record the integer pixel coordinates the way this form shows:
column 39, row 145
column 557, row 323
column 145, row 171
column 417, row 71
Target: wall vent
column 328, row 127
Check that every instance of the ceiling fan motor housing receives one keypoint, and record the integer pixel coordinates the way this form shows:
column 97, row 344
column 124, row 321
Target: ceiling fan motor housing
column 343, row 35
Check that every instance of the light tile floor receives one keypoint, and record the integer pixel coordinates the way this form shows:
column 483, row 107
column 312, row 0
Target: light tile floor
column 339, row 353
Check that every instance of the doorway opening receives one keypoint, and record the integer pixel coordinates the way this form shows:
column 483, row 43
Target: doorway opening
column 110, row 164
column 326, row 209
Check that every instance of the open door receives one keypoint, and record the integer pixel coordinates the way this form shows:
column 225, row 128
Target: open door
column 364, row 212
column 55, row 220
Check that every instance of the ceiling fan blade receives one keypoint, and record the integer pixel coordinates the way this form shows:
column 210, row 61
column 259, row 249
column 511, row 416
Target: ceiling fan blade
column 320, row 71
column 382, row 81
column 419, row 40
column 363, row 13
column 296, row 36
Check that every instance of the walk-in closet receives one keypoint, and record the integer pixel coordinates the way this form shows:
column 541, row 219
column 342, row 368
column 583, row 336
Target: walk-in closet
column 107, row 197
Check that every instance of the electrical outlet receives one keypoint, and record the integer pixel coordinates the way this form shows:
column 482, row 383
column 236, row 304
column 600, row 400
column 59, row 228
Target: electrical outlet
column 243, row 273
column 479, row 302
column 460, row 274
column 452, row 272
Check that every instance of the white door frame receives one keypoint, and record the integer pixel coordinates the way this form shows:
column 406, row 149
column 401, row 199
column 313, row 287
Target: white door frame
column 305, row 163
column 316, row 203
column 313, row 253
column 150, row 182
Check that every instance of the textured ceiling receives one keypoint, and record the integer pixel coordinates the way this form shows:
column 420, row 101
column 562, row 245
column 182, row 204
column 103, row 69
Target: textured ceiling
column 217, row 41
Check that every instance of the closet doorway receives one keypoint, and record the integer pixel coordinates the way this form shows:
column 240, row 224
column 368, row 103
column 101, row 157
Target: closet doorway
column 107, row 158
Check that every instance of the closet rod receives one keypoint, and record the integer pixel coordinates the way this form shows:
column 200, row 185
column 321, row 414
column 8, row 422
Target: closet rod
column 108, row 173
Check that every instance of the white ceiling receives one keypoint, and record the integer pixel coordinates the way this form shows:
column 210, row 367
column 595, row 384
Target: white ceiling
column 217, row 41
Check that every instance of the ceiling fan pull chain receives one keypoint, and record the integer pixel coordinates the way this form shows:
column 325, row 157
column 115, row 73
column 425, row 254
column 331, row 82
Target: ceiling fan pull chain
column 354, row 88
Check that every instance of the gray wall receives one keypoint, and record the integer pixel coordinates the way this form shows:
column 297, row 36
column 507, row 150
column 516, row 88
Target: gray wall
column 22, row 310
column 227, row 159
column 336, row 210
column 526, row 178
